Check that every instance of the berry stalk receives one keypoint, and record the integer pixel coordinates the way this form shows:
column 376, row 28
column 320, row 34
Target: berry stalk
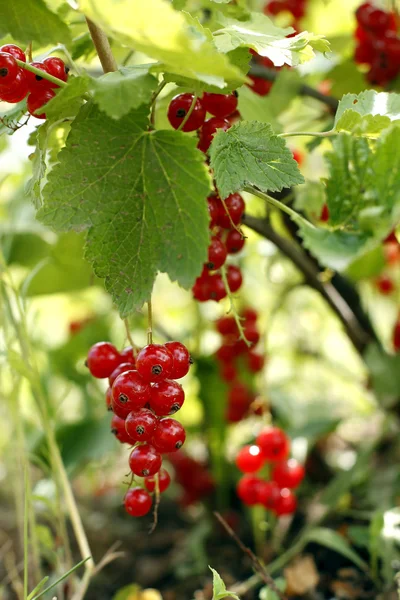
column 41, row 73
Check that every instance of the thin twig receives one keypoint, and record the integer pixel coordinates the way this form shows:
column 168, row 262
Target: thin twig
column 265, row 576
column 232, row 308
column 156, row 503
column 130, row 338
column 188, row 114
column 149, row 322
column 103, row 48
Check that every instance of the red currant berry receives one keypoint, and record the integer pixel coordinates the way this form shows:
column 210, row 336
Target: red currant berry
column 235, row 206
column 145, row 460
column 182, row 359
column 38, row 99
column 262, row 87
column 37, row 83
column 140, row 425
column 14, row 50
column 250, row 459
column 118, row 429
column 209, row 129
column 228, row 372
column 17, row 91
column 226, row 353
column 220, row 105
column 154, row 362
column 217, row 289
column 248, row 489
column 8, row 69
column 234, row 241
column 179, row 108
column 137, row 502
column 122, row 368
column 213, row 209
column 227, row 326
column 56, row 67
column 130, row 391
column 255, row 362
column 268, row 494
column 288, row 474
column 324, row 216
column 166, row 397
column 385, row 285
column 251, row 333
column 239, row 395
column 273, row 443
column 234, row 277
column 169, row 435
column 102, row 359
column 286, row 503
column 109, row 398
column 250, row 314
column 235, row 414
column 128, row 356
column 234, row 117
column 216, row 254
column 164, row 480
column 201, row 289
column 396, row 337
column 298, row 156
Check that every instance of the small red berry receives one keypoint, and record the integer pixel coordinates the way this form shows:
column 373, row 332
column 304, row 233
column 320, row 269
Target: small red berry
column 298, row 156
column 128, row 356
column 286, row 503
column 209, row 129
column 262, row 87
column 396, row 337
column 228, row 372
column 226, row 353
column 56, row 67
column 109, row 398
column 38, row 83
column 166, row 397
column 102, row 359
column 179, row 108
column 255, row 362
column 273, row 443
column 118, row 429
column 250, row 314
column 268, row 494
column 201, row 289
column 17, row 91
column 122, row 368
column 216, row 254
column 213, row 209
column 140, row 425
column 234, row 241
column 227, row 326
column 288, row 474
column 250, row 459
column 248, row 489
column 251, row 333
column 14, row 50
column 130, row 391
column 217, row 289
column 169, row 435
column 234, row 277
column 239, row 395
column 137, row 502
column 164, row 480
column 182, row 359
column 235, row 207
column 324, row 216
column 145, row 460
column 154, row 362
column 385, row 285
column 38, row 99
column 8, row 69
column 220, row 105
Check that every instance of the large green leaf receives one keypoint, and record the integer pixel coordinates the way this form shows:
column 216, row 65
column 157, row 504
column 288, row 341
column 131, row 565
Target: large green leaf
column 260, row 34
column 370, row 102
column 249, row 153
column 68, row 99
column 140, row 193
column 167, row 36
column 334, row 541
column 32, row 20
column 334, row 249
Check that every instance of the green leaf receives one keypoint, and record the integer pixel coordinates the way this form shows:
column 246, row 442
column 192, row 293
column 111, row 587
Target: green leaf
column 31, row 20
column 249, row 153
column 219, row 589
column 267, row 594
column 352, row 122
column 334, row 249
column 334, row 541
column 69, row 99
column 118, row 93
column 10, row 118
column 260, row 34
column 141, row 195
column 128, row 592
column 55, row 583
column 184, row 48
column 368, row 265
column 370, row 102
column 384, row 370
column 345, row 480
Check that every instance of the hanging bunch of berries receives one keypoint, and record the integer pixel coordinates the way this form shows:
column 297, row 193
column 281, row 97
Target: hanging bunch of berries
column 274, row 492
column 297, row 8
column 17, row 82
column 143, row 394
column 233, row 355
column 378, row 44
column 193, row 476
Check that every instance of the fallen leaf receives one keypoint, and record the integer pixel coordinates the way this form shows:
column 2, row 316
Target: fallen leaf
column 301, row 576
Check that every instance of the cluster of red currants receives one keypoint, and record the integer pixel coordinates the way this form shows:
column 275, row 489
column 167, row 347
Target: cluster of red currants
column 234, row 353
column 275, row 494
column 297, row 8
column 16, row 82
column 193, row 476
column 142, row 394
column 378, row 44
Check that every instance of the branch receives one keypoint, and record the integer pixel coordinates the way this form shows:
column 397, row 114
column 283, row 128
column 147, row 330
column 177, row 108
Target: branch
column 311, row 273
column 261, row 570
column 304, row 90
column 102, row 46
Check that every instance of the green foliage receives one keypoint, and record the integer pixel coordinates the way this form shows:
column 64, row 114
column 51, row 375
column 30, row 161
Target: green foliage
column 385, row 374
column 334, row 541
column 27, row 20
column 249, row 153
column 370, row 102
column 219, row 588
column 10, row 118
column 267, row 594
column 142, row 197
column 68, row 99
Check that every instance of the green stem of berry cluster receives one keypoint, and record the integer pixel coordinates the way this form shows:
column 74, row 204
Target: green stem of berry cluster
column 149, row 322
column 297, row 218
column 318, row 134
column 189, row 112
column 233, row 307
column 41, row 73
column 130, row 338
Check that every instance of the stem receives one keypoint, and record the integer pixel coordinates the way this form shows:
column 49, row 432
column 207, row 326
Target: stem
column 189, row 112
column 153, row 99
column 130, row 338
column 319, row 134
column 41, row 73
column 26, row 533
column 233, row 226
column 233, row 308
column 103, row 48
column 278, row 204
column 150, row 322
